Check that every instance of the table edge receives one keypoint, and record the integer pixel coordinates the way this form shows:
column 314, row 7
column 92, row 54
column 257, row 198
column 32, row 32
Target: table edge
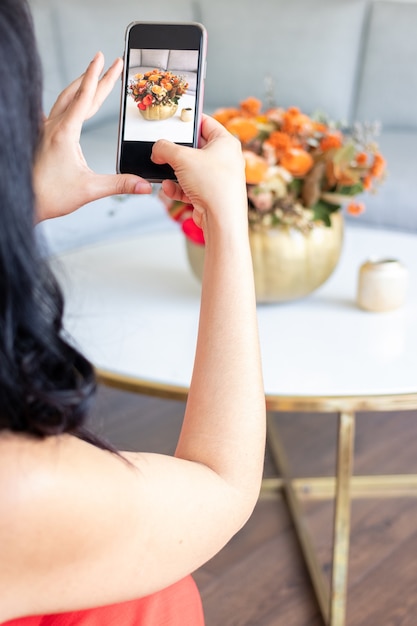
column 325, row 404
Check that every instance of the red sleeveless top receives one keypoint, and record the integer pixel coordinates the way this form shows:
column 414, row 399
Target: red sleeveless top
column 177, row 605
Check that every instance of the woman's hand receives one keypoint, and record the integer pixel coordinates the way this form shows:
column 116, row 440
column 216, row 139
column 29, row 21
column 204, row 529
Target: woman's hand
column 212, row 178
column 62, row 179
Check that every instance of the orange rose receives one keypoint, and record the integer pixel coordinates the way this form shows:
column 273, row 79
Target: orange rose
column 297, row 161
column 255, row 168
column 243, row 128
column 147, row 100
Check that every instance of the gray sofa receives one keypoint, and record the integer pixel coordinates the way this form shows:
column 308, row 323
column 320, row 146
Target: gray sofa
column 353, row 59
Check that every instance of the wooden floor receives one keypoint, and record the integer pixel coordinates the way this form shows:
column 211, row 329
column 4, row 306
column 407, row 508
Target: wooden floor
column 259, row 579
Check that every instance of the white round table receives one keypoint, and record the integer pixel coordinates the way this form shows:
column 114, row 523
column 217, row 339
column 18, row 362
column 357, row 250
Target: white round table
column 132, row 306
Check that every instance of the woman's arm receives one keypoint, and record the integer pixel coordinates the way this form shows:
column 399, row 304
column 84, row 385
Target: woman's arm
column 225, row 415
column 80, row 527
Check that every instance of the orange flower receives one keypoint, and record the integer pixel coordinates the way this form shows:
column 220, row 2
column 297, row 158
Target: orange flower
column 319, row 127
column 330, row 141
column 297, row 161
column 157, row 89
column 378, row 166
column 224, row 115
column 243, row 128
column 361, row 158
column 295, row 122
column 355, row 208
column 367, row 183
column 251, row 106
column 147, row 100
column 281, row 141
column 255, row 167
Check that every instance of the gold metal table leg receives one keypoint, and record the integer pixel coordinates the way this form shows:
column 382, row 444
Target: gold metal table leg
column 345, row 455
column 286, row 483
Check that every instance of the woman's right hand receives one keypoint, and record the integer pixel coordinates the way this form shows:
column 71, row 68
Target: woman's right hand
column 211, row 178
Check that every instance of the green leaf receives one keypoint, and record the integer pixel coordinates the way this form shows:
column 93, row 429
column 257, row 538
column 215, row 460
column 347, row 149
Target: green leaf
column 322, row 211
column 295, row 186
column 350, row 190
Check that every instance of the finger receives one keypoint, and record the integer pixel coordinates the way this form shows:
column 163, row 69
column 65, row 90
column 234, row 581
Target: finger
column 173, row 191
column 65, row 97
column 78, row 109
column 212, row 129
column 105, row 86
column 164, row 151
column 103, row 185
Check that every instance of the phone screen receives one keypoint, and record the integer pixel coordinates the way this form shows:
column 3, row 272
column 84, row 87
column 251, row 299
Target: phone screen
column 162, row 93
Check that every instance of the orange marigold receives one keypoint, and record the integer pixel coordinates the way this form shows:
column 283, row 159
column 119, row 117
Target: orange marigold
column 297, row 161
column 319, row 127
column 251, row 106
column 255, row 167
column 243, row 128
column 281, row 141
column 295, row 122
column 330, row 142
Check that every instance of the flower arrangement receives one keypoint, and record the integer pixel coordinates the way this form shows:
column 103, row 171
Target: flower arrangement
column 299, row 170
column 156, row 87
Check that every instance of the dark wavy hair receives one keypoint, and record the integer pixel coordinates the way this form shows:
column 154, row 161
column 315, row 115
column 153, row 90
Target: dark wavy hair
column 46, row 386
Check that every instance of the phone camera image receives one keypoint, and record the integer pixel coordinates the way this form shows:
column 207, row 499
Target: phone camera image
column 161, row 103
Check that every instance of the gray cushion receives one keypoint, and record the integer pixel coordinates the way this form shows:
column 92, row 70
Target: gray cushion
column 310, row 49
column 388, row 88
column 48, row 44
column 186, row 60
column 85, row 27
column 155, row 58
column 395, row 203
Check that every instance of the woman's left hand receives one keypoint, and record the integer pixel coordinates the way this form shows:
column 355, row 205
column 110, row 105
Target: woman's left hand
column 62, row 179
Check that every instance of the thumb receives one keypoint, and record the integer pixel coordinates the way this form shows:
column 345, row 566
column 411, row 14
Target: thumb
column 165, row 151
column 119, row 184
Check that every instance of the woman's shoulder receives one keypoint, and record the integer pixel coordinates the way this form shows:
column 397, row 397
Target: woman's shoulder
column 46, row 510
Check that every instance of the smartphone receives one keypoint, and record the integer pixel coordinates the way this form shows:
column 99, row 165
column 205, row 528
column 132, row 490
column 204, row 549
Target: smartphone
column 162, row 93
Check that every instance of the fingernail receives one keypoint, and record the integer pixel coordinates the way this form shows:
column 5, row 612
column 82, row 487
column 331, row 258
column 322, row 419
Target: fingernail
column 143, row 187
